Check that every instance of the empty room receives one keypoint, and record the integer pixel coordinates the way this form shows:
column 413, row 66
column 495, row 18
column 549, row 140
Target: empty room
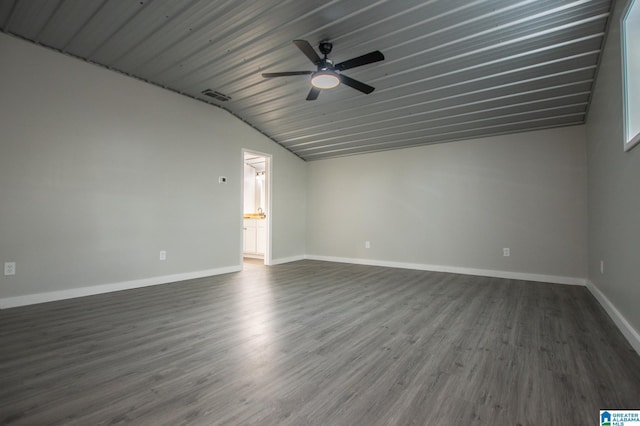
column 347, row 212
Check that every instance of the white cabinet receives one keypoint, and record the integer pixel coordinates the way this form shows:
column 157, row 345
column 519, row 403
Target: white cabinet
column 250, row 236
column 254, row 236
column 261, row 236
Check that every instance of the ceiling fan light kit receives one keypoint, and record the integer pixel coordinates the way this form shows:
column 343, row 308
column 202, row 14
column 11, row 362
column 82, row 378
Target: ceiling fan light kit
column 327, row 75
column 325, row 80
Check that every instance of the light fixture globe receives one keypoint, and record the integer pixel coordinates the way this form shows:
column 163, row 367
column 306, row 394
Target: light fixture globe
column 325, row 79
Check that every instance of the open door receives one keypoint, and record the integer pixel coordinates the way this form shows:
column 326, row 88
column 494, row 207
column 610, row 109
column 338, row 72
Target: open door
column 256, row 207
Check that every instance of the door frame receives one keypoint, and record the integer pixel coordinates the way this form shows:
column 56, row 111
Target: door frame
column 268, row 201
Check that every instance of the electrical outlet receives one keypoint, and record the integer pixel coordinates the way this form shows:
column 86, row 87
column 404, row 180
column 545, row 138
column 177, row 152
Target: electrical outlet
column 506, row 252
column 9, row 268
column 163, row 255
column 367, row 244
column 222, row 179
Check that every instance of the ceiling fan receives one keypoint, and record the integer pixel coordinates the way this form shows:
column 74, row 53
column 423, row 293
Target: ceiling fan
column 328, row 75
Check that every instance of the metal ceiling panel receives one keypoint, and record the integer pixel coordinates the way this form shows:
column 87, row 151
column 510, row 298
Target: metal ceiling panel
column 110, row 18
column 460, row 113
column 443, row 126
column 547, row 107
column 147, row 22
column 66, row 21
column 512, row 127
column 453, row 69
column 28, row 17
column 441, row 96
column 577, row 63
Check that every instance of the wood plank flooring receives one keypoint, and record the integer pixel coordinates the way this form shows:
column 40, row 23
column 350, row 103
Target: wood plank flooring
column 318, row 343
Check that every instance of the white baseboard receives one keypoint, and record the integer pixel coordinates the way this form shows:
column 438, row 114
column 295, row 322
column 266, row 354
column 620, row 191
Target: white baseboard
column 287, row 259
column 31, row 299
column 457, row 270
column 627, row 330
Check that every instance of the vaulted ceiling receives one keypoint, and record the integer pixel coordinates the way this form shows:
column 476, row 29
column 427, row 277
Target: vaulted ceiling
column 453, row 69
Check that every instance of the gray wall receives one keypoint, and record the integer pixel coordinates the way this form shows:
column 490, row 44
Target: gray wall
column 99, row 172
column 614, row 188
column 458, row 204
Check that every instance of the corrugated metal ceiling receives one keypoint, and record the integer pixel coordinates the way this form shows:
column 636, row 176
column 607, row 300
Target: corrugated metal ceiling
column 454, row 69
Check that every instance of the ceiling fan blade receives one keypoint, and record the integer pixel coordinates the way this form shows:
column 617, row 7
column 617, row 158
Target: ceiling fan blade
column 360, row 60
column 308, row 50
column 313, row 94
column 358, row 85
column 285, row 74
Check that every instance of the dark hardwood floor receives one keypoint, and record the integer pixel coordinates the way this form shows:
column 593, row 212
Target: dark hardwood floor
column 317, row 343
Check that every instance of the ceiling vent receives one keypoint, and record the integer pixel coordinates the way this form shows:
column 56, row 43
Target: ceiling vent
column 216, row 95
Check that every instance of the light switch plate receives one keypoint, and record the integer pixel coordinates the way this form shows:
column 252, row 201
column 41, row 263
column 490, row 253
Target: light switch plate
column 9, row 268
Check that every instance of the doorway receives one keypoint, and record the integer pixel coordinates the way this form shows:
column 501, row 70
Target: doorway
column 256, row 207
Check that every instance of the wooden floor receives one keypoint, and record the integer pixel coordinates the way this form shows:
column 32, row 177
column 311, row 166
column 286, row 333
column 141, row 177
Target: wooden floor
column 316, row 343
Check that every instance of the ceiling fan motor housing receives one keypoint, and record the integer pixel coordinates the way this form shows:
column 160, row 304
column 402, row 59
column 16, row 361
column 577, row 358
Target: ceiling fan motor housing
column 325, row 47
column 325, row 64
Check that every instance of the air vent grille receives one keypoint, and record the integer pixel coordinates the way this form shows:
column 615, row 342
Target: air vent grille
column 216, row 95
